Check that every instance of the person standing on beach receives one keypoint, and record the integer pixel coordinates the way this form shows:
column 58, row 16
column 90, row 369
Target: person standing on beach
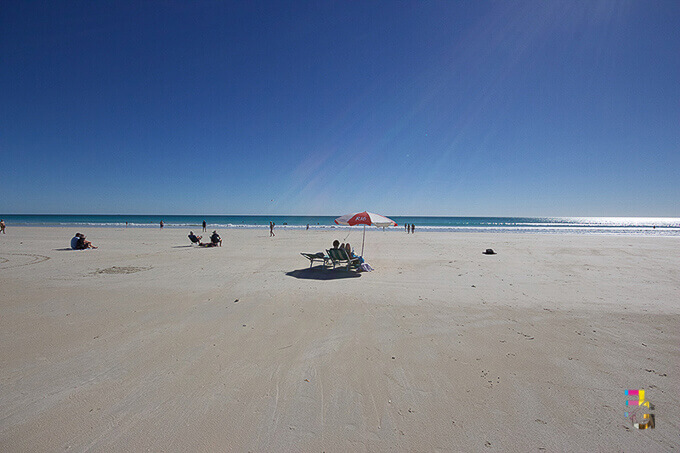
column 271, row 229
column 161, row 224
column 2, row 225
column 204, row 225
column 413, row 228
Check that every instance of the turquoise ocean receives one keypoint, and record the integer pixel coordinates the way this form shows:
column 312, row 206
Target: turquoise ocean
column 646, row 226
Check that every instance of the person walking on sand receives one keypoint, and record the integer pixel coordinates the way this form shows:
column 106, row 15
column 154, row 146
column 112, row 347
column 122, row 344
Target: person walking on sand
column 271, row 229
column 204, row 225
column 2, row 225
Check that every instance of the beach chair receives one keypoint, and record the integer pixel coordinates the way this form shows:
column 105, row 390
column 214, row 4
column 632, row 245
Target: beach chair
column 339, row 257
column 316, row 257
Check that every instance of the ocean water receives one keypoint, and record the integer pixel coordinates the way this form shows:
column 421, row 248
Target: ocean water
column 646, row 226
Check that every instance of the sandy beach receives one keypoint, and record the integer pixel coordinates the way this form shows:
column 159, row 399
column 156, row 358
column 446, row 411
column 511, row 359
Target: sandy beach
column 148, row 344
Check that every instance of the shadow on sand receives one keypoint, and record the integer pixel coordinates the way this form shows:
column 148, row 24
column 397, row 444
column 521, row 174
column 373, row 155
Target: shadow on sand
column 69, row 249
column 318, row 273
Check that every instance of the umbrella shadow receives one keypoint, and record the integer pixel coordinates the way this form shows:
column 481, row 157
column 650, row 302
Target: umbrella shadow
column 318, row 273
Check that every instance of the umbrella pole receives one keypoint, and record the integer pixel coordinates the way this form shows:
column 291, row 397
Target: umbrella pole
column 362, row 241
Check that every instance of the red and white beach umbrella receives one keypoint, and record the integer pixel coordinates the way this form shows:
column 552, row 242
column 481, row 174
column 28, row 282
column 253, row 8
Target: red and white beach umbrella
column 365, row 218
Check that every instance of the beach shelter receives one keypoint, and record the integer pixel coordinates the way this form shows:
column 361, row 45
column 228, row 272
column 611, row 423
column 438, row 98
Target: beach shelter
column 365, row 218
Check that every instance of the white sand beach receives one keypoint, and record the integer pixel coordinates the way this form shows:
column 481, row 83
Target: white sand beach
column 148, row 344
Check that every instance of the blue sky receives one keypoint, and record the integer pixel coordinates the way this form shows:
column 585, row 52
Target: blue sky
column 322, row 108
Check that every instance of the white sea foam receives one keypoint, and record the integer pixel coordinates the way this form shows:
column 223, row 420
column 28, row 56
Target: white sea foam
column 638, row 226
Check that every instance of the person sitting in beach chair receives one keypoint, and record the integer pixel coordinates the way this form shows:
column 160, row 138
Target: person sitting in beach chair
column 215, row 239
column 339, row 256
column 350, row 253
column 363, row 265
column 195, row 239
